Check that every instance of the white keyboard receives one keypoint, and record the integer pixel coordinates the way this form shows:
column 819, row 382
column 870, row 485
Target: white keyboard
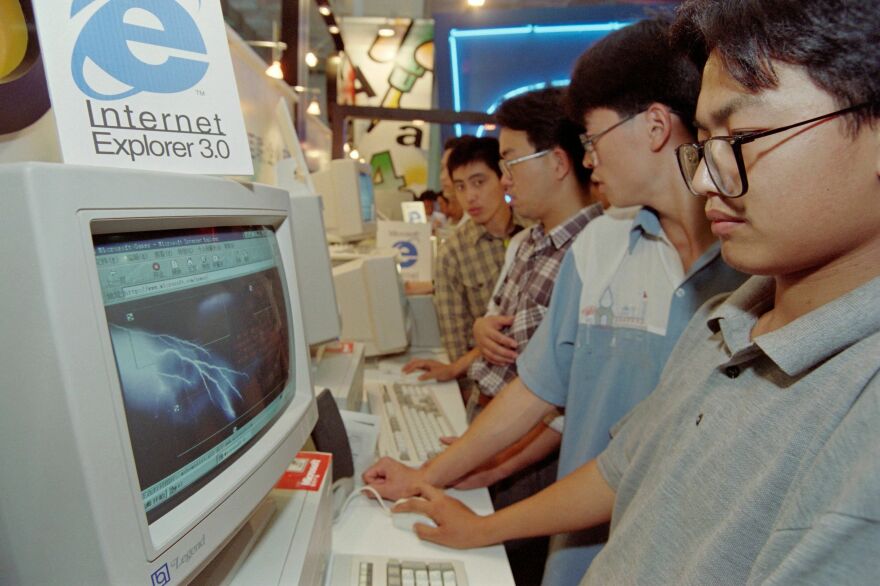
column 412, row 421
column 362, row 570
column 346, row 252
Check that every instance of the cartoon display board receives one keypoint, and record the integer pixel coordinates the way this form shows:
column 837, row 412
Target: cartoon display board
column 390, row 72
column 144, row 84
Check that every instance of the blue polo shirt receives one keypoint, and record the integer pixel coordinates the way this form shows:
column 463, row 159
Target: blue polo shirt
column 620, row 303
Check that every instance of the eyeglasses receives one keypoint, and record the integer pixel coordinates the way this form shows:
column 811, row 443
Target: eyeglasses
column 506, row 165
column 724, row 159
column 588, row 140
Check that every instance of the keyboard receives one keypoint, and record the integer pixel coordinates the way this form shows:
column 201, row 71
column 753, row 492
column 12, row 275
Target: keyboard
column 346, row 252
column 362, row 570
column 412, row 421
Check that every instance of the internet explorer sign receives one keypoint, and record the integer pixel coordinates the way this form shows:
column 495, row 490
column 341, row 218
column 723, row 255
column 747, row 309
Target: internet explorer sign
column 132, row 46
column 408, row 255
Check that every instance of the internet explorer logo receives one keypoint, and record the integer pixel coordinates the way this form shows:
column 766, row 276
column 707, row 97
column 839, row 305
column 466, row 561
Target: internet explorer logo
column 132, row 46
column 408, row 255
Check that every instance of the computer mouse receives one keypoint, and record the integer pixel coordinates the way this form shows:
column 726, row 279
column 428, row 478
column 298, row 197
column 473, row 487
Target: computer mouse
column 406, row 520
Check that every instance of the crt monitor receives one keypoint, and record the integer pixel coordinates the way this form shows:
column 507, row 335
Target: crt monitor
column 346, row 187
column 312, row 257
column 372, row 304
column 154, row 370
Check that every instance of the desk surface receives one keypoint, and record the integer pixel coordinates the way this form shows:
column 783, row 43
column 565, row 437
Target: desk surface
column 364, row 529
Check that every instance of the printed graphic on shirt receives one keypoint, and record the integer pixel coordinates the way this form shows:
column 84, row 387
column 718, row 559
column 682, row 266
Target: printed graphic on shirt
column 633, row 292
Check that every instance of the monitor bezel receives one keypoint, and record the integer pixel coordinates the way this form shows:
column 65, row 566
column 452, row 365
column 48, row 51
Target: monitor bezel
column 158, row 537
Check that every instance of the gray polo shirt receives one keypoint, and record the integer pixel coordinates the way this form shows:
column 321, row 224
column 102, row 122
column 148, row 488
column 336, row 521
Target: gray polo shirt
column 753, row 461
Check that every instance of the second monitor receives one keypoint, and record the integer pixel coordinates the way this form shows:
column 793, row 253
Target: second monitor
column 346, row 187
column 372, row 304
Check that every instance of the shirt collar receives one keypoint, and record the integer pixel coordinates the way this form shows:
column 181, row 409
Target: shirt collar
column 645, row 223
column 805, row 342
column 568, row 229
column 479, row 232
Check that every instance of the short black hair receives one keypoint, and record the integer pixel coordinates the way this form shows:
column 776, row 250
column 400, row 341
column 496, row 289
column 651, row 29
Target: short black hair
column 542, row 116
column 451, row 142
column 632, row 68
column 835, row 41
column 428, row 195
column 471, row 149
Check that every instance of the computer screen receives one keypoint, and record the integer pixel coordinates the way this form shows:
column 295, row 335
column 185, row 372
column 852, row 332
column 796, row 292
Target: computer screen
column 346, row 187
column 365, row 190
column 312, row 257
column 157, row 352
column 372, row 304
column 198, row 323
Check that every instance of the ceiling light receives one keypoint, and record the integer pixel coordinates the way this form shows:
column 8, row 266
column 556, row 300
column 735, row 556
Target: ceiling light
column 334, row 30
column 476, row 3
column 386, row 31
column 311, row 59
column 299, row 88
column 314, row 108
column 324, row 10
column 354, row 154
column 274, row 70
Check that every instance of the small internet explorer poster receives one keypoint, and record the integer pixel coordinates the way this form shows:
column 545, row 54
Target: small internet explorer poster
column 145, row 84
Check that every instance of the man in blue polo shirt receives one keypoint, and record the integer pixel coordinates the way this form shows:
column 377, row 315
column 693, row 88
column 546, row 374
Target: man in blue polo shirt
column 625, row 291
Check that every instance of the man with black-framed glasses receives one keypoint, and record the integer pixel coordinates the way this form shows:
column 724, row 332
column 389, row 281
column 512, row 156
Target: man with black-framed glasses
column 722, row 156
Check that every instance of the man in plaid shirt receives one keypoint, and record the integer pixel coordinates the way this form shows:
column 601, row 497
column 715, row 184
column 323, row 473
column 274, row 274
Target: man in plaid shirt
column 542, row 172
column 470, row 260
column 535, row 138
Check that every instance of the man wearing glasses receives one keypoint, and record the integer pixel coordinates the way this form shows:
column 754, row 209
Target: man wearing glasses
column 625, row 292
column 470, row 260
column 541, row 156
column 755, row 459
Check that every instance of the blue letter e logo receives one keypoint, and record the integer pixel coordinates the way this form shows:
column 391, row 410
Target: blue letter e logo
column 106, row 67
column 408, row 255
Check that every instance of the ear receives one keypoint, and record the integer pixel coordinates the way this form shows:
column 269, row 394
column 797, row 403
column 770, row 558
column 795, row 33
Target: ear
column 875, row 128
column 562, row 163
column 659, row 125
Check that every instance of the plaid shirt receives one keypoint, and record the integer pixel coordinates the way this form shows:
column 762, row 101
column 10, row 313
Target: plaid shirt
column 468, row 265
column 525, row 292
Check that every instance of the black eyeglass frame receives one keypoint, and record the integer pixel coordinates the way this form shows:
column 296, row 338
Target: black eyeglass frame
column 736, row 143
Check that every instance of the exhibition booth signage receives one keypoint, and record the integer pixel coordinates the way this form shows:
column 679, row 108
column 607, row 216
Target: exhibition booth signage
column 144, row 84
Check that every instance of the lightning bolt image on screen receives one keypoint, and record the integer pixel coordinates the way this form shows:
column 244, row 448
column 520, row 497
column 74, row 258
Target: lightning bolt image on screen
column 199, row 328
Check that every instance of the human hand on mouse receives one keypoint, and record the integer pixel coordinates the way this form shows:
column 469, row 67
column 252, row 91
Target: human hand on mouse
column 457, row 526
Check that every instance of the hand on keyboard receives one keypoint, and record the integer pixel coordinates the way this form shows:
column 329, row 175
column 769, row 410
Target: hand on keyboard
column 430, row 369
column 392, row 479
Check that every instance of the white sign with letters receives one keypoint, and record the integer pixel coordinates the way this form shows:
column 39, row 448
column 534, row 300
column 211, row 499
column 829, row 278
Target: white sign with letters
column 413, row 244
column 413, row 212
column 144, row 84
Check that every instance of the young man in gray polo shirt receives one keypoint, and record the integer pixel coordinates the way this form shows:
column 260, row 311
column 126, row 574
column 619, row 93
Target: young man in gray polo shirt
column 755, row 459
